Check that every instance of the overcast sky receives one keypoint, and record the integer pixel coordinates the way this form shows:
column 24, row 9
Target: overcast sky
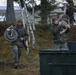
column 4, row 3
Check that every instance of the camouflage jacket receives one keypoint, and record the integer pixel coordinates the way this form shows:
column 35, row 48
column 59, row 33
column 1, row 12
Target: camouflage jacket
column 58, row 32
column 21, row 33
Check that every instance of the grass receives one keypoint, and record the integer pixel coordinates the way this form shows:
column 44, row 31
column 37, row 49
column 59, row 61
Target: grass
column 30, row 64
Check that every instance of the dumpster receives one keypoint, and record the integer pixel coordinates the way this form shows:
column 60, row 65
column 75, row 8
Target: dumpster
column 72, row 45
column 57, row 62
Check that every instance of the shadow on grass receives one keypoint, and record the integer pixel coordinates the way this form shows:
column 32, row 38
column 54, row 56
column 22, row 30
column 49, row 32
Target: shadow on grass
column 4, row 65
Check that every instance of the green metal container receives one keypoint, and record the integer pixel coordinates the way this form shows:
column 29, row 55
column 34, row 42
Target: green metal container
column 57, row 62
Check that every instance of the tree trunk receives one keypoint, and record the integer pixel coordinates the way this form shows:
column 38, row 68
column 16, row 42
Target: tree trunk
column 44, row 11
column 10, row 14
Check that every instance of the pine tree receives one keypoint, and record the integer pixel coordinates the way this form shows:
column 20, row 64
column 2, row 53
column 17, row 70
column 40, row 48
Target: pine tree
column 10, row 13
column 46, row 7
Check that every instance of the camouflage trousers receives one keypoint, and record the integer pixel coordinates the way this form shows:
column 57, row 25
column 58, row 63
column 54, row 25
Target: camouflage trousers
column 61, row 46
column 17, row 53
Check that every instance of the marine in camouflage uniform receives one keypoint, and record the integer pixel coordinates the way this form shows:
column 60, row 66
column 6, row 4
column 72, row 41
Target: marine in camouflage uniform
column 70, row 12
column 59, row 28
column 17, row 44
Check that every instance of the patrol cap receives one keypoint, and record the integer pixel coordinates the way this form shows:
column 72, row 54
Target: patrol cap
column 20, row 21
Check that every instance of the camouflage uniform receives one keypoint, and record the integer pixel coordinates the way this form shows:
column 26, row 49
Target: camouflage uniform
column 70, row 12
column 60, row 39
column 18, row 45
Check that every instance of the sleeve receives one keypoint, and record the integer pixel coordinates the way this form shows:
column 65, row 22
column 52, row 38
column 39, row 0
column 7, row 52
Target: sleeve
column 65, row 26
column 53, row 29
